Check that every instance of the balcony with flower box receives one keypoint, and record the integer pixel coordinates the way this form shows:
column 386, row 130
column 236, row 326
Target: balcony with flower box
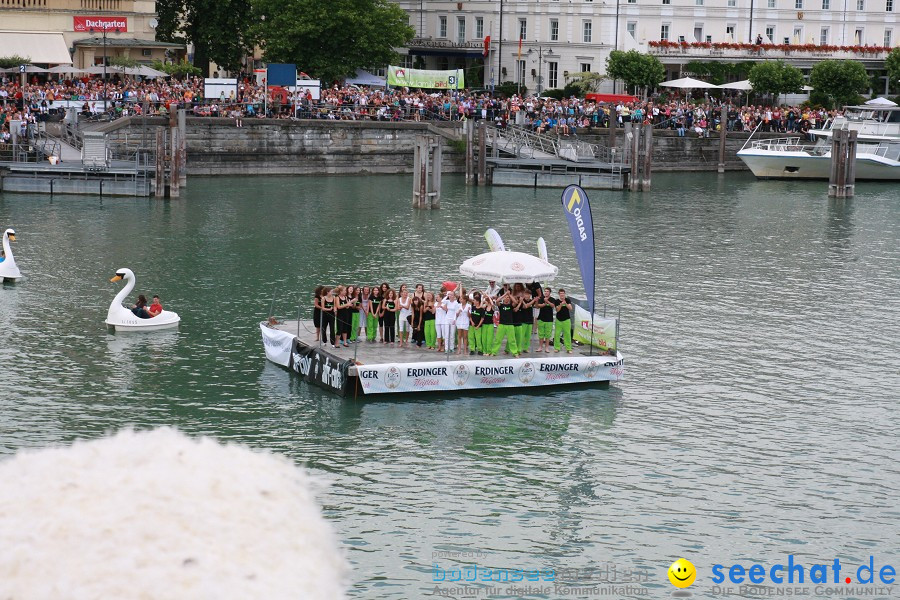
column 745, row 52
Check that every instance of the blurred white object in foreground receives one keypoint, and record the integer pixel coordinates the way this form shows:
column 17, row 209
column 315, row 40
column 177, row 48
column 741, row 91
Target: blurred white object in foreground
column 158, row 515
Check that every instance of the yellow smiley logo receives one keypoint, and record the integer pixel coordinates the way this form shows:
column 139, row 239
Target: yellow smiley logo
column 682, row 573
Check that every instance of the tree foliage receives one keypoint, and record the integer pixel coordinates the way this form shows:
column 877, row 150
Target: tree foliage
column 218, row 29
column 718, row 72
column 122, row 61
column 635, row 68
column 14, row 60
column 840, row 80
column 892, row 64
column 330, row 40
column 775, row 77
column 179, row 70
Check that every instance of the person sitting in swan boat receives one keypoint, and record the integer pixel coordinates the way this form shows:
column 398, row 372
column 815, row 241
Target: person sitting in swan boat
column 155, row 307
column 140, row 308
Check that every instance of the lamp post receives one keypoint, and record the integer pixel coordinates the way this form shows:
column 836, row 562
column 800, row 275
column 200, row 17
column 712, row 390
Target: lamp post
column 103, row 31
column 265, row 82
column 540, row 57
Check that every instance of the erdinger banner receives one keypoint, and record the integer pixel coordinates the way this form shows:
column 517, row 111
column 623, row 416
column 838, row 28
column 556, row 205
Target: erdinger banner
column 488, row 374
column 423, row 78
column 604, row 329
column 578, row 213
column 101, row 23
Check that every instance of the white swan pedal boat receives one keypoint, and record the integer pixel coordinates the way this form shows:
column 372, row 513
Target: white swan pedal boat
column 122, row 319
column 8, row 269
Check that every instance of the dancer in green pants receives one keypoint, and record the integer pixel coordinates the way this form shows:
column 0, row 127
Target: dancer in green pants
column 506, row 329
column 372, row 316
column 487, row 327
column 545, row 305
column 524, row 322
column 428, row 316
column 563, row 324
column 475, row 323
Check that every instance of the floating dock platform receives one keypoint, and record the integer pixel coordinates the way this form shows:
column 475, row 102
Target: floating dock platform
column 370, row 368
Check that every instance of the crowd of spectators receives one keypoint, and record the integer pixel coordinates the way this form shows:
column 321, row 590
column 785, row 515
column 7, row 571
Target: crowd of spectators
column 39, row 100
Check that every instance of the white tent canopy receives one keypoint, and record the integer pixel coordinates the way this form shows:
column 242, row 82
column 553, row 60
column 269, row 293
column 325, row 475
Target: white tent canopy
column 688, row 83
column 508, row 267
column 365, row 78
column 744, row 86
column 880, row 102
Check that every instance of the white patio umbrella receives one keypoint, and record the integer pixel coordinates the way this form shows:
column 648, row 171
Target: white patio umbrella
column 145, row 71
column 688, row 83
column 65, row 69
column 744, row 86
column 508, row 267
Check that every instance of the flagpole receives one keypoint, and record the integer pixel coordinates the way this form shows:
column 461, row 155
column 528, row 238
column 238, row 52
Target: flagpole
column 593, row 287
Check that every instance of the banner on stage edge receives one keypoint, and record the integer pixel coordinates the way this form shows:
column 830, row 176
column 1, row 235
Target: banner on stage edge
column 278, row 345
column 604, row 336
column 578, row 213
column 425, row 78
column 487, row 374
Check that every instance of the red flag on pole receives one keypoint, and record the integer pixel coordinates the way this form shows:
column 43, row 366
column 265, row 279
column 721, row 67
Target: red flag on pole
column 487, row 45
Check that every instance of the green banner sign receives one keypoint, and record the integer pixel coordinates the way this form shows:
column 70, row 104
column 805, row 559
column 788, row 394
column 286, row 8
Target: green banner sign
column 423, row 78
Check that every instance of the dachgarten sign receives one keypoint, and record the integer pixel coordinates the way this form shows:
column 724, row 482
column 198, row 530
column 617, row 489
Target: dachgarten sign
column 107, row 23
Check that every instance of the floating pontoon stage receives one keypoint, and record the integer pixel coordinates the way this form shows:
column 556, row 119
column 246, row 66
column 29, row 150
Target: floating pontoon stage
column 373, row 368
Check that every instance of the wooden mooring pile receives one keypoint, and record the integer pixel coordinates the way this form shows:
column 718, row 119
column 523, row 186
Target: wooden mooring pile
column 171, row 157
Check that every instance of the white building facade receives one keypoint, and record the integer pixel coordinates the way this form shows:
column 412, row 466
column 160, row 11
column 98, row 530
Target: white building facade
column 563, row 37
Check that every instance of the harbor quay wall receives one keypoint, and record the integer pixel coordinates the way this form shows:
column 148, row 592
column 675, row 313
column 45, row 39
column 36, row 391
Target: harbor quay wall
column 215, row 146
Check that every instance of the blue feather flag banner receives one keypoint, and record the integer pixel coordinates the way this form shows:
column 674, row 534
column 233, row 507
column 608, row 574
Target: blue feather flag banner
column 578, row 213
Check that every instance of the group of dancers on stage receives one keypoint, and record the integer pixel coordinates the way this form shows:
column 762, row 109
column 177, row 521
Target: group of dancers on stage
column 473, row 322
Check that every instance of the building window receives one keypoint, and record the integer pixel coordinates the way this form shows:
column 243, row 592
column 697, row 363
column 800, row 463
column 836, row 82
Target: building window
column 823, row 37
column 664, row 31
column 442, row 27
column 631, row 28
column 770, row 34
column 887, row 38
column 587, row 29
column 585, row 67
column 523, row 29
column 798, row 4
column 461, row 29
column 798, row 35
column 698, row 2
column 479, row 28
column 826, row 4
column 860, row 4
column 698, row 32
column 554, row 30
column 520, row 70
column 860, row 37
column 632, row 1
column 552, row 74
column 732, row 3
column 889, row 5
column 729, row 32
column 667, row 1
column 771, row 4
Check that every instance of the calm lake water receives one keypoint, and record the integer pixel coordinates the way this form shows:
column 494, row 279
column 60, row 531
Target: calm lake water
column 760, row 326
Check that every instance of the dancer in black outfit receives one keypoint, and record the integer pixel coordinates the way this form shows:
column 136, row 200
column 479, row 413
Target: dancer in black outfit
column 328, row 310
column 390, row 317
